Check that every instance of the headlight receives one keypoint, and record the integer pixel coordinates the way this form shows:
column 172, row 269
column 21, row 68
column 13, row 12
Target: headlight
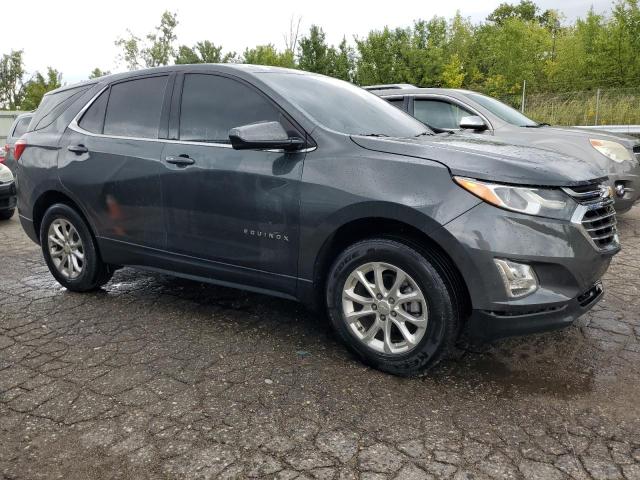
column 613, row 150
column 5, row 174
column 543, row 202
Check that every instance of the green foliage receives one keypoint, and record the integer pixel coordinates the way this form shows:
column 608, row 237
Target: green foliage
column 11, row 73
column 269, row 55
column 155, row 50
column 97, row 73
column 315, row 55
column 203, row 52
column 35, row 88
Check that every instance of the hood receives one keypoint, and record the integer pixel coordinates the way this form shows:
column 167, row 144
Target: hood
column 486, row 159
column 586, row 132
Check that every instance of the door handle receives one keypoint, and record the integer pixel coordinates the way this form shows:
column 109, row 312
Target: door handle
column 180, row 160
column 77, row 149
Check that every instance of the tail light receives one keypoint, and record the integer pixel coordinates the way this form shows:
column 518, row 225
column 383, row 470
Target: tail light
column 18, row 148
column 4, row 152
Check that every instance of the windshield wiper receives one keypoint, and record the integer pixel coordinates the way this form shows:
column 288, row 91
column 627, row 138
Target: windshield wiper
column 372, row 135
column 425, row 133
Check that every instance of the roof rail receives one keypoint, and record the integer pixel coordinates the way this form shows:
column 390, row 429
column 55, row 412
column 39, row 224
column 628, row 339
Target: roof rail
column 389, row 86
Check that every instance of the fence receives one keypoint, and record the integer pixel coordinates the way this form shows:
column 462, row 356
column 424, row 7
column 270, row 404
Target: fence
column 6, row 120
column 611, row 106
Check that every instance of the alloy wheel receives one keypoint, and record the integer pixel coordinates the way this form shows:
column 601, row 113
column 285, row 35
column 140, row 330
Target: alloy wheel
column 66, row 248
column 384, row 308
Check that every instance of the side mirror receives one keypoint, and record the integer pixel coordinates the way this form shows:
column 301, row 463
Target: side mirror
column 263, row 135
column 473, row 122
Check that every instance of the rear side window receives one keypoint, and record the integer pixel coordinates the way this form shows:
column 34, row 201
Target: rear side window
column 93, row 118
column 21, row 127
column 396, row 102
column 439, row 114
column 53, row 104
column 134, row 108
column 213, row 105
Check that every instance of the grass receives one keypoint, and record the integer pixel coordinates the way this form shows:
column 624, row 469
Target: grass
column 615, row 107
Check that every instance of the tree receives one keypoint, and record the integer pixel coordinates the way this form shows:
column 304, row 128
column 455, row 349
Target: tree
column 314, row 52
column 11, row 73
column 203, row 52
column 268, row 55
column 97, row 73
column 35, row 88
column 157, row 49
column 315, row 55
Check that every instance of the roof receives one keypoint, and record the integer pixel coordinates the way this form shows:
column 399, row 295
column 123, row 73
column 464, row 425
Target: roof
column 418, row 91
column 238, row 67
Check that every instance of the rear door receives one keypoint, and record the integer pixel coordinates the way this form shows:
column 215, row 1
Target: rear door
column 110, row 162
column 235, row 211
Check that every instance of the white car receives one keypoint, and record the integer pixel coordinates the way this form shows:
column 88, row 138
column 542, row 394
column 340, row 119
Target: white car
column 7, row 193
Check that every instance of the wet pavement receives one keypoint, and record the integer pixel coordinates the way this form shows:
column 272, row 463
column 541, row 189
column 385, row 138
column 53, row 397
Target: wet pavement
column 156, row 377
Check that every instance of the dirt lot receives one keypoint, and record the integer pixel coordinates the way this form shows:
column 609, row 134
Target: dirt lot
column 156, row 377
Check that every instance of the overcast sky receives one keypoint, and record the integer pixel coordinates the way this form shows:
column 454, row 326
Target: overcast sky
column 76, row 36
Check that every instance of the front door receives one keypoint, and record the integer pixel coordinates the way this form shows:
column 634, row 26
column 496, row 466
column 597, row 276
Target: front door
column 235, row 212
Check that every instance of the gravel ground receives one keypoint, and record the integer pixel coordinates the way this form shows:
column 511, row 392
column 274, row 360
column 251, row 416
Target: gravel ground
column 156, row 377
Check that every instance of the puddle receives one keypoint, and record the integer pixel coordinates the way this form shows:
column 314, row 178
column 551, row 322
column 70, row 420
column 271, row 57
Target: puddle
column 537, row 379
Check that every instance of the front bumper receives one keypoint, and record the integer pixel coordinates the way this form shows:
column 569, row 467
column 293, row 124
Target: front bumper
column 566, row 262
column 488, row 325
column 7, row 196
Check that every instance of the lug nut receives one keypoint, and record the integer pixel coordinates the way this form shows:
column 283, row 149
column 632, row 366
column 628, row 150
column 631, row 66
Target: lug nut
column 382, row 317
column 379, row 296
column 391, row 300
column 374, row 307
column 393, row 314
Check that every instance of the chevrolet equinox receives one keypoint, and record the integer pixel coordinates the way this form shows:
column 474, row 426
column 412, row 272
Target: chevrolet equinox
column 309, row 188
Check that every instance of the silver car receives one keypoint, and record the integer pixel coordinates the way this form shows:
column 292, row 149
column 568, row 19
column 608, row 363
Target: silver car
column 453, row 110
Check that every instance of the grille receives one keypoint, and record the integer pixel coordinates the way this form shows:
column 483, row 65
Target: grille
column 600, row 223
column 599, row 217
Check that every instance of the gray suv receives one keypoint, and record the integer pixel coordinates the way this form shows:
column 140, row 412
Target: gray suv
column 309, row 188
column 452, row 110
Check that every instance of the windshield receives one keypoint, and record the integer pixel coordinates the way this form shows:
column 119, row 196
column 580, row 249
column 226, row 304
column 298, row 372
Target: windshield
column 343, row 107
column 502, row 111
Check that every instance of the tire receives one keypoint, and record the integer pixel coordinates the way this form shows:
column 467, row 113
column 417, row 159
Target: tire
column 389, row 350
column 7, row 214
column 84, row 275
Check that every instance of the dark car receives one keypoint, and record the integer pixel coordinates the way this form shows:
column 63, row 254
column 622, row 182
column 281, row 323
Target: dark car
column 7, row 193
column 19, row 127
column 445, row 109
column 309, row 188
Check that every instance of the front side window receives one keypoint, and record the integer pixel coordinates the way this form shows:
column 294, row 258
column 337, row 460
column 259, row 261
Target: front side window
column 134, row 108
column 439, row 114
column 212, row 105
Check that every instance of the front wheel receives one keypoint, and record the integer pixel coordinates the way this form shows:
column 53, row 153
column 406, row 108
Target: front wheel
column 70, row 250
column 391, row 306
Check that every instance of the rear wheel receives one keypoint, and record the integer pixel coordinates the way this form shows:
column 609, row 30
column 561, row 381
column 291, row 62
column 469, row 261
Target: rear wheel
column 6, row 214
column 391, row 306
column 70, row 250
